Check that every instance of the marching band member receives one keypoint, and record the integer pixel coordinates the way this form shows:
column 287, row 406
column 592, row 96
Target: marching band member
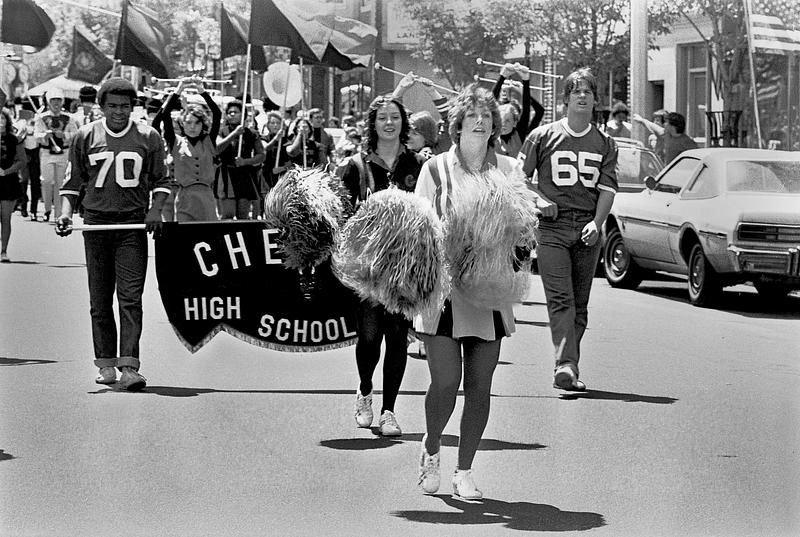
column 236, row 180
column 193, row 152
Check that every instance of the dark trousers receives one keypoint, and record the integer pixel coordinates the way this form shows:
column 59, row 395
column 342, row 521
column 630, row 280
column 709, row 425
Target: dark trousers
column 116, row 261
column 32, row 175
column 567, row 267
column 373, row 323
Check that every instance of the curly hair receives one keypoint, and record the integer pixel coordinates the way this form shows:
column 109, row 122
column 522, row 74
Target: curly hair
column 116, row 86
column 377, row 104
column 200, row 113
column 470, row 98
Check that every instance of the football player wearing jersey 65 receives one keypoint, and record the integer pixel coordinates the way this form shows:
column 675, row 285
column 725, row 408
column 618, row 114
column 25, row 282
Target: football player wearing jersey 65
column 572, row 164
column 119, row 162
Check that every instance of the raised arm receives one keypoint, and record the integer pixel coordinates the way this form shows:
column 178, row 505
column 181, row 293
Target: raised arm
column 162, row 121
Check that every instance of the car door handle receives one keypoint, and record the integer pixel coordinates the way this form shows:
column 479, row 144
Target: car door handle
column 659, row 224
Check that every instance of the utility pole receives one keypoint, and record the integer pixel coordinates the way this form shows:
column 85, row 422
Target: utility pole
column 638, row 77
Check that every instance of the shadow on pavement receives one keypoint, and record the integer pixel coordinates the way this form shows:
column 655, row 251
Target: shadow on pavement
column 23, row 361
column 616, row 396
column 523, row 516
column 543, row 324
column 448, row 440
column 180, row 391
column 5, row 456
column 747, row 304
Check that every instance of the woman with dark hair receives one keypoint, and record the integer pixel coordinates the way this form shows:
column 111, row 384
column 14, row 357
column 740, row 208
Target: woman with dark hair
column 12, row 160
column 423, row 134
column 463, row 338
column 301, row 141
column 272, row 136
column 193, row 152
column 384, row 162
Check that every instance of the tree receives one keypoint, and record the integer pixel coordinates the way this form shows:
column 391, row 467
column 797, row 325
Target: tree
column 454, row 34
column 728, row 47
column 575, row 33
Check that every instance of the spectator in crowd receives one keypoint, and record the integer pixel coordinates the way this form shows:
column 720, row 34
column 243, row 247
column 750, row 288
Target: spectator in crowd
column 676, row 141
column 12, row 160
column 656, row 128
column 619, row 126
column 54, row 131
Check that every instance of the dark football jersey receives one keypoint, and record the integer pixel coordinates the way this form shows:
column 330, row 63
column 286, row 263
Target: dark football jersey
column 570, row 168
column 118, row 170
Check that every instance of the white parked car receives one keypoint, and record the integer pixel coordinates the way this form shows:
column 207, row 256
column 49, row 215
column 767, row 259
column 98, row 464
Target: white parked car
column 720, row 216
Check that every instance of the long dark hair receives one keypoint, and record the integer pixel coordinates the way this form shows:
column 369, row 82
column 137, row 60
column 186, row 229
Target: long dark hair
column 375, row 105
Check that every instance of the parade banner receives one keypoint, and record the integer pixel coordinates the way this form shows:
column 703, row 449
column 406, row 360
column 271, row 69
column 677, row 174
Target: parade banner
column 234, row 30
column 228, row 276
column 25, row 23
column 142, row 40
column 88, row 62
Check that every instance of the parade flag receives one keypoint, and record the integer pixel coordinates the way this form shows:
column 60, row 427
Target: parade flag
column 25, row 23
column 351, row 43
column 768, row 31
column 233, row 39
column 142, row 40
column 279, row 23
column 228, row 276
column 88, row 63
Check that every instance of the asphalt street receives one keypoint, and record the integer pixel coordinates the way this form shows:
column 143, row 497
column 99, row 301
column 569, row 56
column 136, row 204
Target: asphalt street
column 690, row 427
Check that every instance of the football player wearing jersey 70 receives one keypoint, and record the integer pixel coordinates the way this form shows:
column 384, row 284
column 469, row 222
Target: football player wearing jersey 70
column 120, row 163
column 572, row 166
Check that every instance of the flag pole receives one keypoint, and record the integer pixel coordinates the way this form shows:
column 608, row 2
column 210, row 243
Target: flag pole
column 244, row 100
column 283, row 113
column 748, row 24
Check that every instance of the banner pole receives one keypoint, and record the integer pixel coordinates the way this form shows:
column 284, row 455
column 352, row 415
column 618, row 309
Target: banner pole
column 244, row 100
column 754, row 88
column 283, row 113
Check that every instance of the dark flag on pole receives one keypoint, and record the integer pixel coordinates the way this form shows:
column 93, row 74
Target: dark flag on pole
column 142, row 40
column 228, row 276
column 279, row 23
column 233, row 39
column 25, row 23
column 88, row 63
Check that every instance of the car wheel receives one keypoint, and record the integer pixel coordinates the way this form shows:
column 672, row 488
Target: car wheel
column 704, row 282
column 620, row 268
column 771, row 291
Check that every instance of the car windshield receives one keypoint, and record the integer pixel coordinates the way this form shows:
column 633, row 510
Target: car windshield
column 763, row 176
column 634, row 164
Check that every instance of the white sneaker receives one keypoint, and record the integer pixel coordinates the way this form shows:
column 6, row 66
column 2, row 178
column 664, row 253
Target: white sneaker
column 363, row 409
column 464, row 486
column 429, row 474
column 388, row 424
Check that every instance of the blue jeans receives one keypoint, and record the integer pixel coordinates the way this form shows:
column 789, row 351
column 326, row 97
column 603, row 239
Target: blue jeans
column 116, row 260
column 567, row 267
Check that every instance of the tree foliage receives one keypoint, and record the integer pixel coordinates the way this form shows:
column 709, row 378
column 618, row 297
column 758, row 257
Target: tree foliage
column 187, row 21
column 454, row 34
column 575, row 33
